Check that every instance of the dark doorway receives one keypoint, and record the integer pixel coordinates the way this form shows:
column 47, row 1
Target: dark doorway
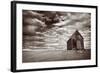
column 74, row 44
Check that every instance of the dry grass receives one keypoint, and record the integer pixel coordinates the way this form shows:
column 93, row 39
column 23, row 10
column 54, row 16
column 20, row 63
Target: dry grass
column 55, row 55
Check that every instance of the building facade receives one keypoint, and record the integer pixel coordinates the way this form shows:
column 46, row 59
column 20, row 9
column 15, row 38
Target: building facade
column 75, row 42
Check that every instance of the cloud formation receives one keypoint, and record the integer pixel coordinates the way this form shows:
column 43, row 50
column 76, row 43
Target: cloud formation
column 42, row 29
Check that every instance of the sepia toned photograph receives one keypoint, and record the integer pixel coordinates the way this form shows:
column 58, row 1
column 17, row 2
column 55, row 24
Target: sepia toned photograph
column 48, row 36
column 55, row 36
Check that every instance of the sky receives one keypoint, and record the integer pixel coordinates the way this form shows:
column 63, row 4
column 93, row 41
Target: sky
column 51, row 29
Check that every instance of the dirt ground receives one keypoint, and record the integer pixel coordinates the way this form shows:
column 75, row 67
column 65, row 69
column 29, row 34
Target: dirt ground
column 55, row 55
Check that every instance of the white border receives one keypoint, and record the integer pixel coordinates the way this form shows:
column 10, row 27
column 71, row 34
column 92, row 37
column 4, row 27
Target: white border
column 36, row 65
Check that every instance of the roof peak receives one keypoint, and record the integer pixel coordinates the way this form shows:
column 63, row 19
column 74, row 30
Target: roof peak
column 76, row 29
column 76, row 33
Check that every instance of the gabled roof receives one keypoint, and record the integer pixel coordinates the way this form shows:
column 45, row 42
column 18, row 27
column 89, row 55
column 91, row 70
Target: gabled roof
column 76, row 33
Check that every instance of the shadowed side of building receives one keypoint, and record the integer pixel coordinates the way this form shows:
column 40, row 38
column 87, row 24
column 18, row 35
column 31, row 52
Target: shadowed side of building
column 76, row 41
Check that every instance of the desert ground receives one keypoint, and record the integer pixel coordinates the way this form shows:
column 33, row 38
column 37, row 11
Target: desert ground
column 55, row 55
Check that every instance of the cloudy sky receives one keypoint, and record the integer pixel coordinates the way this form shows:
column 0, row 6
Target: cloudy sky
column 51, row 29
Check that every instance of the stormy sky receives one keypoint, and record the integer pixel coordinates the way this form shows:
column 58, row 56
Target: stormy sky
column 51, row 29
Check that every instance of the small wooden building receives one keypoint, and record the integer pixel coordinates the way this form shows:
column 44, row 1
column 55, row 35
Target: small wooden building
column 76, row 41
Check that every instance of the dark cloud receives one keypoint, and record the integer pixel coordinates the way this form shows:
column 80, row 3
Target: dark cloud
column 42, row 26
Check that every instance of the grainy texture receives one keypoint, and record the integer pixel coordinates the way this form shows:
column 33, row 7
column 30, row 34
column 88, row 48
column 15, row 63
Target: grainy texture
column 50, row 30
column 55, row 55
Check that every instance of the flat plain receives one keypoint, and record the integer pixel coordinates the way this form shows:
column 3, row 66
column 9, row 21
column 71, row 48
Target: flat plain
column 55, row 55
